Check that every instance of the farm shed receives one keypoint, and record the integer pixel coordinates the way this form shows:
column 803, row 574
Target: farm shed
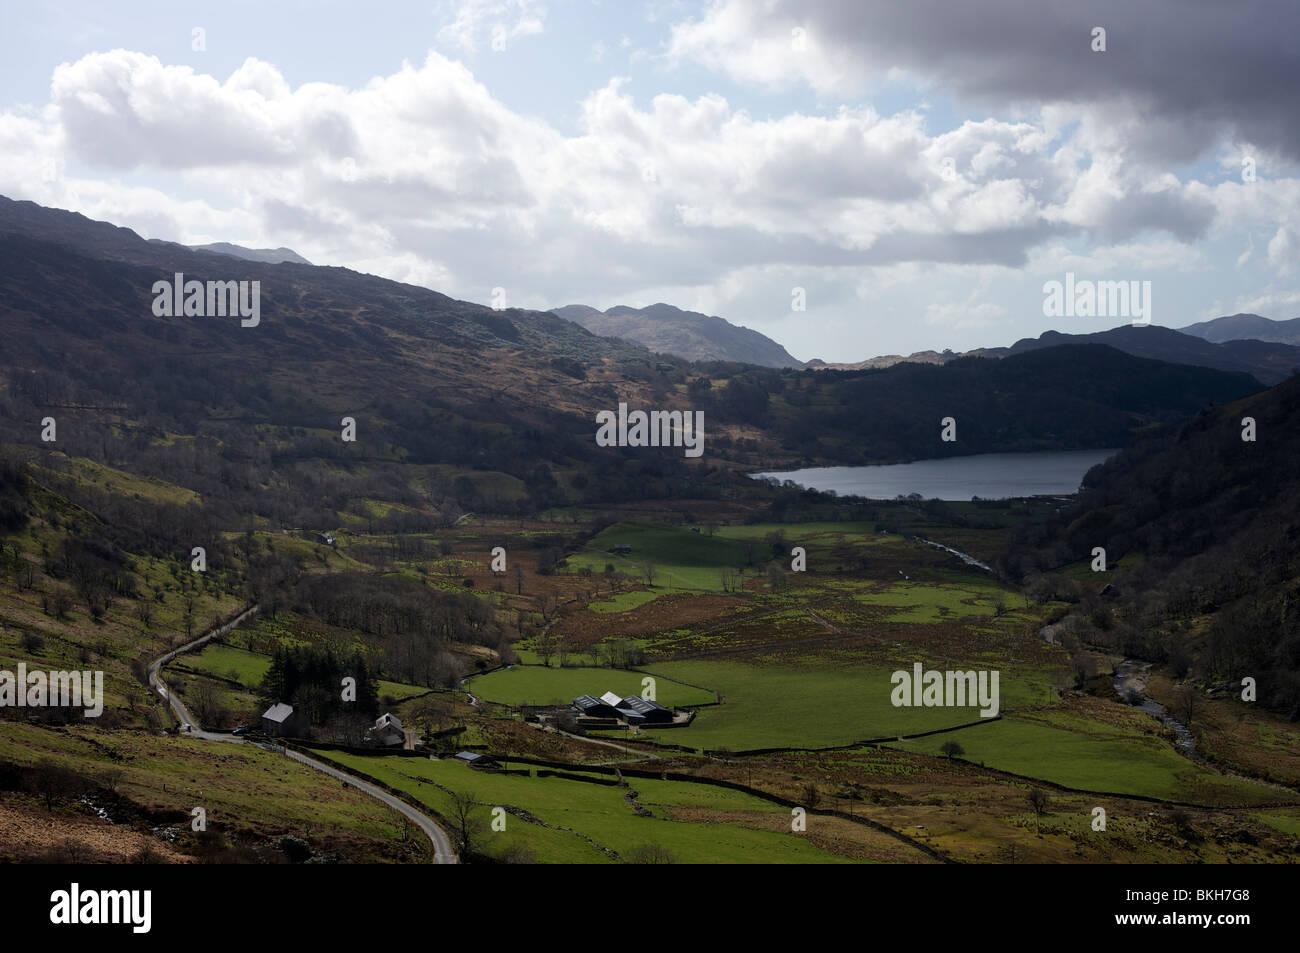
column 636, row 709
column 280, row 720
column 475, row 760
column 595, row 707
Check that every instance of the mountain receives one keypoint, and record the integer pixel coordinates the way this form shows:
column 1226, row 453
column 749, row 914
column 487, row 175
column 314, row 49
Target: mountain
column 1069, row 397
column 1236, row 327
column 1267, row 362
column 688, row 334
column 446, row 388
column 460, row 405
column 272, row 256
column 1214, row 520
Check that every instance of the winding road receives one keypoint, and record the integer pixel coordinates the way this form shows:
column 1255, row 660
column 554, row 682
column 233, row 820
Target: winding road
column 443, row 854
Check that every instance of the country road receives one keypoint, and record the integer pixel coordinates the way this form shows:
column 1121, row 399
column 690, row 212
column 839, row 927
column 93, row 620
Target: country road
column 443, row 854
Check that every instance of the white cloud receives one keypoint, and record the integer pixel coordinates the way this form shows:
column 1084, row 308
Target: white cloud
column 423, row 175
column 491, row 23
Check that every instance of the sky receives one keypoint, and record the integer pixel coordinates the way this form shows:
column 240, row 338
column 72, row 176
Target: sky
column 851, row 179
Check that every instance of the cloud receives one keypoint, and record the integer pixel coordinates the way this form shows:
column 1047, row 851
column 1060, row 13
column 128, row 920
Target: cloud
column 1181, row 77
column 494, row 23
column 424, row 175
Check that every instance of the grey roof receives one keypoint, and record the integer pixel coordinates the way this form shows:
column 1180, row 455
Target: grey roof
column 642, row 706
column 586, row 701
column 468, row 756
column 278, row 712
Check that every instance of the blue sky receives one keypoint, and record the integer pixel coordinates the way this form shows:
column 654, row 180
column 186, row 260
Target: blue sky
column 715, row 156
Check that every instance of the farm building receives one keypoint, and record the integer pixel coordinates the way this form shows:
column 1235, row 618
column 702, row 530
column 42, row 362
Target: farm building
column 475, row 760
column 590, row 707
column 620, row 549
column 387, row 731
column 280, row 720
column 637, row 710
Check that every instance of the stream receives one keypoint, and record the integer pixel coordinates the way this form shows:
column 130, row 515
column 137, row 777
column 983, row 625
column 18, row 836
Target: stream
column 1131, row 676
column 968, row 559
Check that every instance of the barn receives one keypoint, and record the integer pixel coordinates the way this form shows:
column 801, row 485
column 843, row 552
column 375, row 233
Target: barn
column 590, row 707
column 636, row 710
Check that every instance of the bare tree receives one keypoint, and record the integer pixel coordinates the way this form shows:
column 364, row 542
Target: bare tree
column 469, row 826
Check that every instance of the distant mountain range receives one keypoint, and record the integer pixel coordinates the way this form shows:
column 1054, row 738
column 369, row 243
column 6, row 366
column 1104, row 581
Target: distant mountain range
column 687, row 334
column 1241, row 327
column 1244, row 343
column 1267, row 362
column 440, row 383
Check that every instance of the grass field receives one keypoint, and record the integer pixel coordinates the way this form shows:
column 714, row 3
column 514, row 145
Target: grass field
column 1093, row 756
column 810, row 706
column 683, row 560
column 227, row 661
column 600, row 814
column 539, row 685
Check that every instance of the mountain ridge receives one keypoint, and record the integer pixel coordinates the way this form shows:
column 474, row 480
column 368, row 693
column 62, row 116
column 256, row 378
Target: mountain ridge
column 692, row 335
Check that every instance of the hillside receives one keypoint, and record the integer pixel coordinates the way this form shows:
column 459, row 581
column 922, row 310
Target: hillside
column 271, row 256
column 497, row 407
column 1071, row 397
column 1267, row 362
column 688, row 334
column 1236, row 327
column 1211, row 525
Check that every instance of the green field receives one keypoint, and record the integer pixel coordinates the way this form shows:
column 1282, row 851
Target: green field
column 682, row 559
column 249, row 668
column 1092, row 756
column 599, row 813
column 226, row 661
column 930, row 602
column 539, row 685
column 813, row 706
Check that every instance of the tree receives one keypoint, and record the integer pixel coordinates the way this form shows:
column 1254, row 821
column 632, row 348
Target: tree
column 468, row 825
column 775, row 576
column 650, row 854
column 952, row 749
column 1038, row 802
column 546, row 648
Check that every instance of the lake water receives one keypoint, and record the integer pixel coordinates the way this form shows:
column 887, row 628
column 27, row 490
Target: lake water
column 986, row 475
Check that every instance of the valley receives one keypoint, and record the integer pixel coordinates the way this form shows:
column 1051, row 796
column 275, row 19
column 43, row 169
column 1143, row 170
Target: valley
column 414, row 555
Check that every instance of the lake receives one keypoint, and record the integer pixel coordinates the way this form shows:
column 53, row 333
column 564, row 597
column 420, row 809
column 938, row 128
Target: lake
column 986, row 475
